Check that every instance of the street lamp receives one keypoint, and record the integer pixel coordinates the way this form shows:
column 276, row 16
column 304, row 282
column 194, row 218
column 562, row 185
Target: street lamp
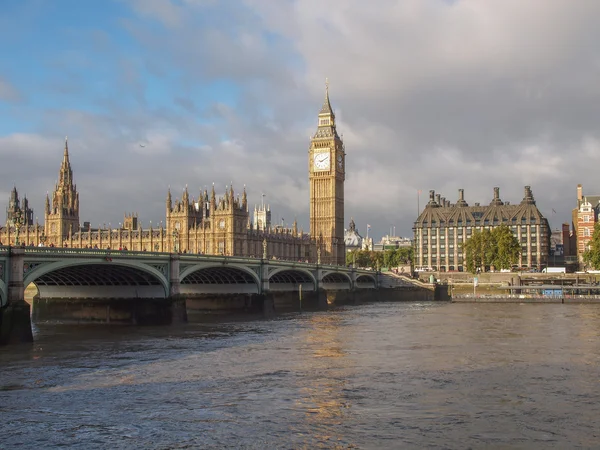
column 43, row 239
column 18, row 221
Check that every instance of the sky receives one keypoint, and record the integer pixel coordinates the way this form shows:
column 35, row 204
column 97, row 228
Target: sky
column 428, row 95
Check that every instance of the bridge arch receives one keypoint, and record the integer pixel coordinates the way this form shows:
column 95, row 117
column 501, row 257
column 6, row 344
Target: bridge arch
column 291, row 274
column 336, row 280
column 219, row 279
column 365, row 281
column 291, row 278
column 118, row 279
column 365, row 278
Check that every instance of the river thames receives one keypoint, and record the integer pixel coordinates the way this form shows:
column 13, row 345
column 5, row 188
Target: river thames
column 376, row 376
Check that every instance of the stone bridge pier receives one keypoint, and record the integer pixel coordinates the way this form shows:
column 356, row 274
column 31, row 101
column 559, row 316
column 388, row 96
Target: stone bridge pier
column 177, row 306
column 15, row 316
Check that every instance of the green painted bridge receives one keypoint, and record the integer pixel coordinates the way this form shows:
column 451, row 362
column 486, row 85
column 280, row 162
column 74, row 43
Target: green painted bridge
column 92, row 273
column 103, row 285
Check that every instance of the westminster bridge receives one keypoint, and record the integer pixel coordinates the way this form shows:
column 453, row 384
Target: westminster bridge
column 152, row 287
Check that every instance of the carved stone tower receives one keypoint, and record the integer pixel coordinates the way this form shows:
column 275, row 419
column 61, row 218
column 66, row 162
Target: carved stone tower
column 62, row 215
column 326, row 168
column 14, row 204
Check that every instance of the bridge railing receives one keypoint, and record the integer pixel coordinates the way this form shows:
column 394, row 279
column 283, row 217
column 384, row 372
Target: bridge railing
column 79, row 252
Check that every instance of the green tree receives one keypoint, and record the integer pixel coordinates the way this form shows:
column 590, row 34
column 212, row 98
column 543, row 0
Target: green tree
column 404, row 255
column 498, row 248
column 507, row 247
column 478, row 250
column 363, row 258
column 376, row 260
column 592, row 255
column 389, row 258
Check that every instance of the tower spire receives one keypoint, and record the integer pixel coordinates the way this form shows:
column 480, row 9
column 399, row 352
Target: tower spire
column 66, row 154
column 326, row 108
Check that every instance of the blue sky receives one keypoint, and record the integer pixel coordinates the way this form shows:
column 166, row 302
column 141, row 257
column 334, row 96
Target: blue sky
column 429, row 94
column 72, row 54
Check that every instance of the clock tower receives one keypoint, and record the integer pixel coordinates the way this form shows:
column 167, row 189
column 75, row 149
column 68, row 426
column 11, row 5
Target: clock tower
column 326, row 173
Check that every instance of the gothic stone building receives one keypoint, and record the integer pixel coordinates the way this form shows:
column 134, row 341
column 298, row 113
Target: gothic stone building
column 211, row 225
column 326, row 166
column 442, row 227
column 16, row 205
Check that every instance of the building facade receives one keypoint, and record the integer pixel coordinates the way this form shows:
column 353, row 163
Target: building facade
column 209, row 225
column 442, row 228
column 326, row 167
column 584, row 218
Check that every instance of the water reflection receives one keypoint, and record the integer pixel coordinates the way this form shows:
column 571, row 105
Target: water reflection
column 325, row 361
column 375, row 376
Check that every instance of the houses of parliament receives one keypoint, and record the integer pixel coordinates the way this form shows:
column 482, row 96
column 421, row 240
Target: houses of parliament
column 210, row 224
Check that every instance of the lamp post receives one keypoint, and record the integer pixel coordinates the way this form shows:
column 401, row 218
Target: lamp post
column 43, row 239
column 18, row 221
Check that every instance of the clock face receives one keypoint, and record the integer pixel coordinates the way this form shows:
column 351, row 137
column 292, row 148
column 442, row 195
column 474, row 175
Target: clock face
column 321, row 161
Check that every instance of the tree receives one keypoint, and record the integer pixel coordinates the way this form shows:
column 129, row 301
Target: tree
column 376, row 260
column 499, row 248
column 507, row 247
column 477, row 250
column 592, row 255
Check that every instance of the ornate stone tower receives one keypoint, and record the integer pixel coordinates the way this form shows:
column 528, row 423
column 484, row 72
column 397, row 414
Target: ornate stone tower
column 62, row 215
column 326, row 168
column 14, row 204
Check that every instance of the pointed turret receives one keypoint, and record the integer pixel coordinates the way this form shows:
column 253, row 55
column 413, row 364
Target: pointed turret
column 244, row 200
column 326, row 108
column 213, row 198
column 169, row 200
column 66, row 173
column 66, row 153
column 62, row 208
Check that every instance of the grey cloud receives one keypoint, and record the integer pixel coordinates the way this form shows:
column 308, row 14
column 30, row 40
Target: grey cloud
column 8, row 92
column 428, row 95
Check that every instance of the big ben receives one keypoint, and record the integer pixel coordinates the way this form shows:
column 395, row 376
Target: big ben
column 327, row 162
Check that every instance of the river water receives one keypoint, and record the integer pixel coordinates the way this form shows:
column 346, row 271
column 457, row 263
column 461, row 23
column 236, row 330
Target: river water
column 376, row 376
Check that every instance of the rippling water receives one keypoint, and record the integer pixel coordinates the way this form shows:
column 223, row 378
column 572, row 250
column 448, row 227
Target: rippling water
column 389, row 375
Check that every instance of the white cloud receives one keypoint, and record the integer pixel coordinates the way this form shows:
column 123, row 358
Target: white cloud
column 428, row 94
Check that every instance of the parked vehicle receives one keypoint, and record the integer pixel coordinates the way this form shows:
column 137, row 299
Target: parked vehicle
column 554, row 270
